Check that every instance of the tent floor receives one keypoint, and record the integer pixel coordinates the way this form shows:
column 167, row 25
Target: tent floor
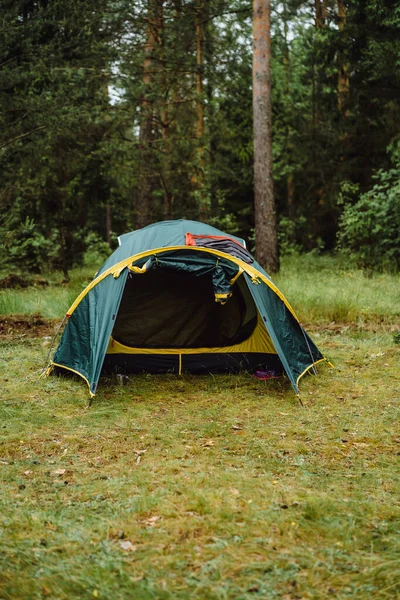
column 191, row 363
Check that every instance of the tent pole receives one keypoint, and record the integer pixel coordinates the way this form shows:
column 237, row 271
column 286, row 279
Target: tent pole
column 309, row 349
column 46, row 365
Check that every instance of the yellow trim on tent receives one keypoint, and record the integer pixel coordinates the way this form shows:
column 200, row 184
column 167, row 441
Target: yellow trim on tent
column 310, row 367
column 236, row 277
column 138, row 270
column 259, row 341
column 117, row 269
column 219, row 297
column 53, row 364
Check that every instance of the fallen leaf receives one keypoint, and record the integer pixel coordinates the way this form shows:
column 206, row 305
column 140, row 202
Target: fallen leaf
column 208, row 443
column 46, row 591
column 152, row 520
column 138, row 578
column 127, row 545
column 59, row 472
column 27, row 472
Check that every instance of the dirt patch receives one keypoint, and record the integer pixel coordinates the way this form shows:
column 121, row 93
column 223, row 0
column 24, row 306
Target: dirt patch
column 12, row 326
column 14, row 281
column 334, row 328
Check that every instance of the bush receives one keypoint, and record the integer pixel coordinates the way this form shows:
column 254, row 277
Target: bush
column 26, row 249
column 97, row 250
column 369, row 230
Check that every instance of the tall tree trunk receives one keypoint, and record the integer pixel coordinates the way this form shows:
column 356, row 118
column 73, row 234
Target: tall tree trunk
column 200, row 159
column 165, row 123
column 343, row 74
column 212, row 150
column 108, row 223
column 265, row 215
column 146, row 136
column 317, row 187
column 320, row 13
column 289, row 145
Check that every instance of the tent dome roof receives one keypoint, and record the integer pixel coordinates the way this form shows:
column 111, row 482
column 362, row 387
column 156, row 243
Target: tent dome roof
column 160, row 235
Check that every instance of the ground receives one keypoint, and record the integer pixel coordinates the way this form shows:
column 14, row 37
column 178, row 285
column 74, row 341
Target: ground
column 211, row 487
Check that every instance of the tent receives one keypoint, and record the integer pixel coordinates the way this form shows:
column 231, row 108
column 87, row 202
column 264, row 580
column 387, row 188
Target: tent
column 182, row 296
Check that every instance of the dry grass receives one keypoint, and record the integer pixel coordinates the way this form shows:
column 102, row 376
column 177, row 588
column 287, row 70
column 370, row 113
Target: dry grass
column 203, row 487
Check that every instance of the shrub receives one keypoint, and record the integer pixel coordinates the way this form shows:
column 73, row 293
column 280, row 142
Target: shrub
column 97, row 250
column 25, row 248
column 370, row 229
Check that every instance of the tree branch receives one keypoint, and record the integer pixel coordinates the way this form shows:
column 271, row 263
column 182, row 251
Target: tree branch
column 21, row 136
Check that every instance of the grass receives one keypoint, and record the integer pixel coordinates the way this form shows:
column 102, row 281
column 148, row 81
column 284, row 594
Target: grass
column 320, row 289
column 50, row 301
column 211, row 487
column 323, row 289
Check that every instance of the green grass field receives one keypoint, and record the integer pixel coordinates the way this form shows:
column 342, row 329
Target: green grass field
column 211, row 487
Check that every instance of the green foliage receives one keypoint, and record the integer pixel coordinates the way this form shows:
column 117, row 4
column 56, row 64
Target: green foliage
column 97, row 250
column 73, row 97
column 287, row 236
column 370, row 228
column 26, row 249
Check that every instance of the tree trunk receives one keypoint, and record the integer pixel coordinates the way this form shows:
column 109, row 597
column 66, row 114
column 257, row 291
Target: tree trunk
column 343, row 76
column 167, row 149
column 146, row 135
column 289, row 145
column 200, row 159
column 316, row 125
column 320, row 13
column 108, row 223
column 265, row 215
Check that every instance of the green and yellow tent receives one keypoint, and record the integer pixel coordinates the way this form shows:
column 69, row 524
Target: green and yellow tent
column 182, row 296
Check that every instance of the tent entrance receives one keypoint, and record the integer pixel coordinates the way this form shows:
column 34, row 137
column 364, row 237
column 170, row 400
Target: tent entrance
column 174, row 309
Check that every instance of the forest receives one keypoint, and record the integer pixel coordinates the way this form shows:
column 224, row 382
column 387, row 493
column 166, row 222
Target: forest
column 181, row 426
column 117, row 114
